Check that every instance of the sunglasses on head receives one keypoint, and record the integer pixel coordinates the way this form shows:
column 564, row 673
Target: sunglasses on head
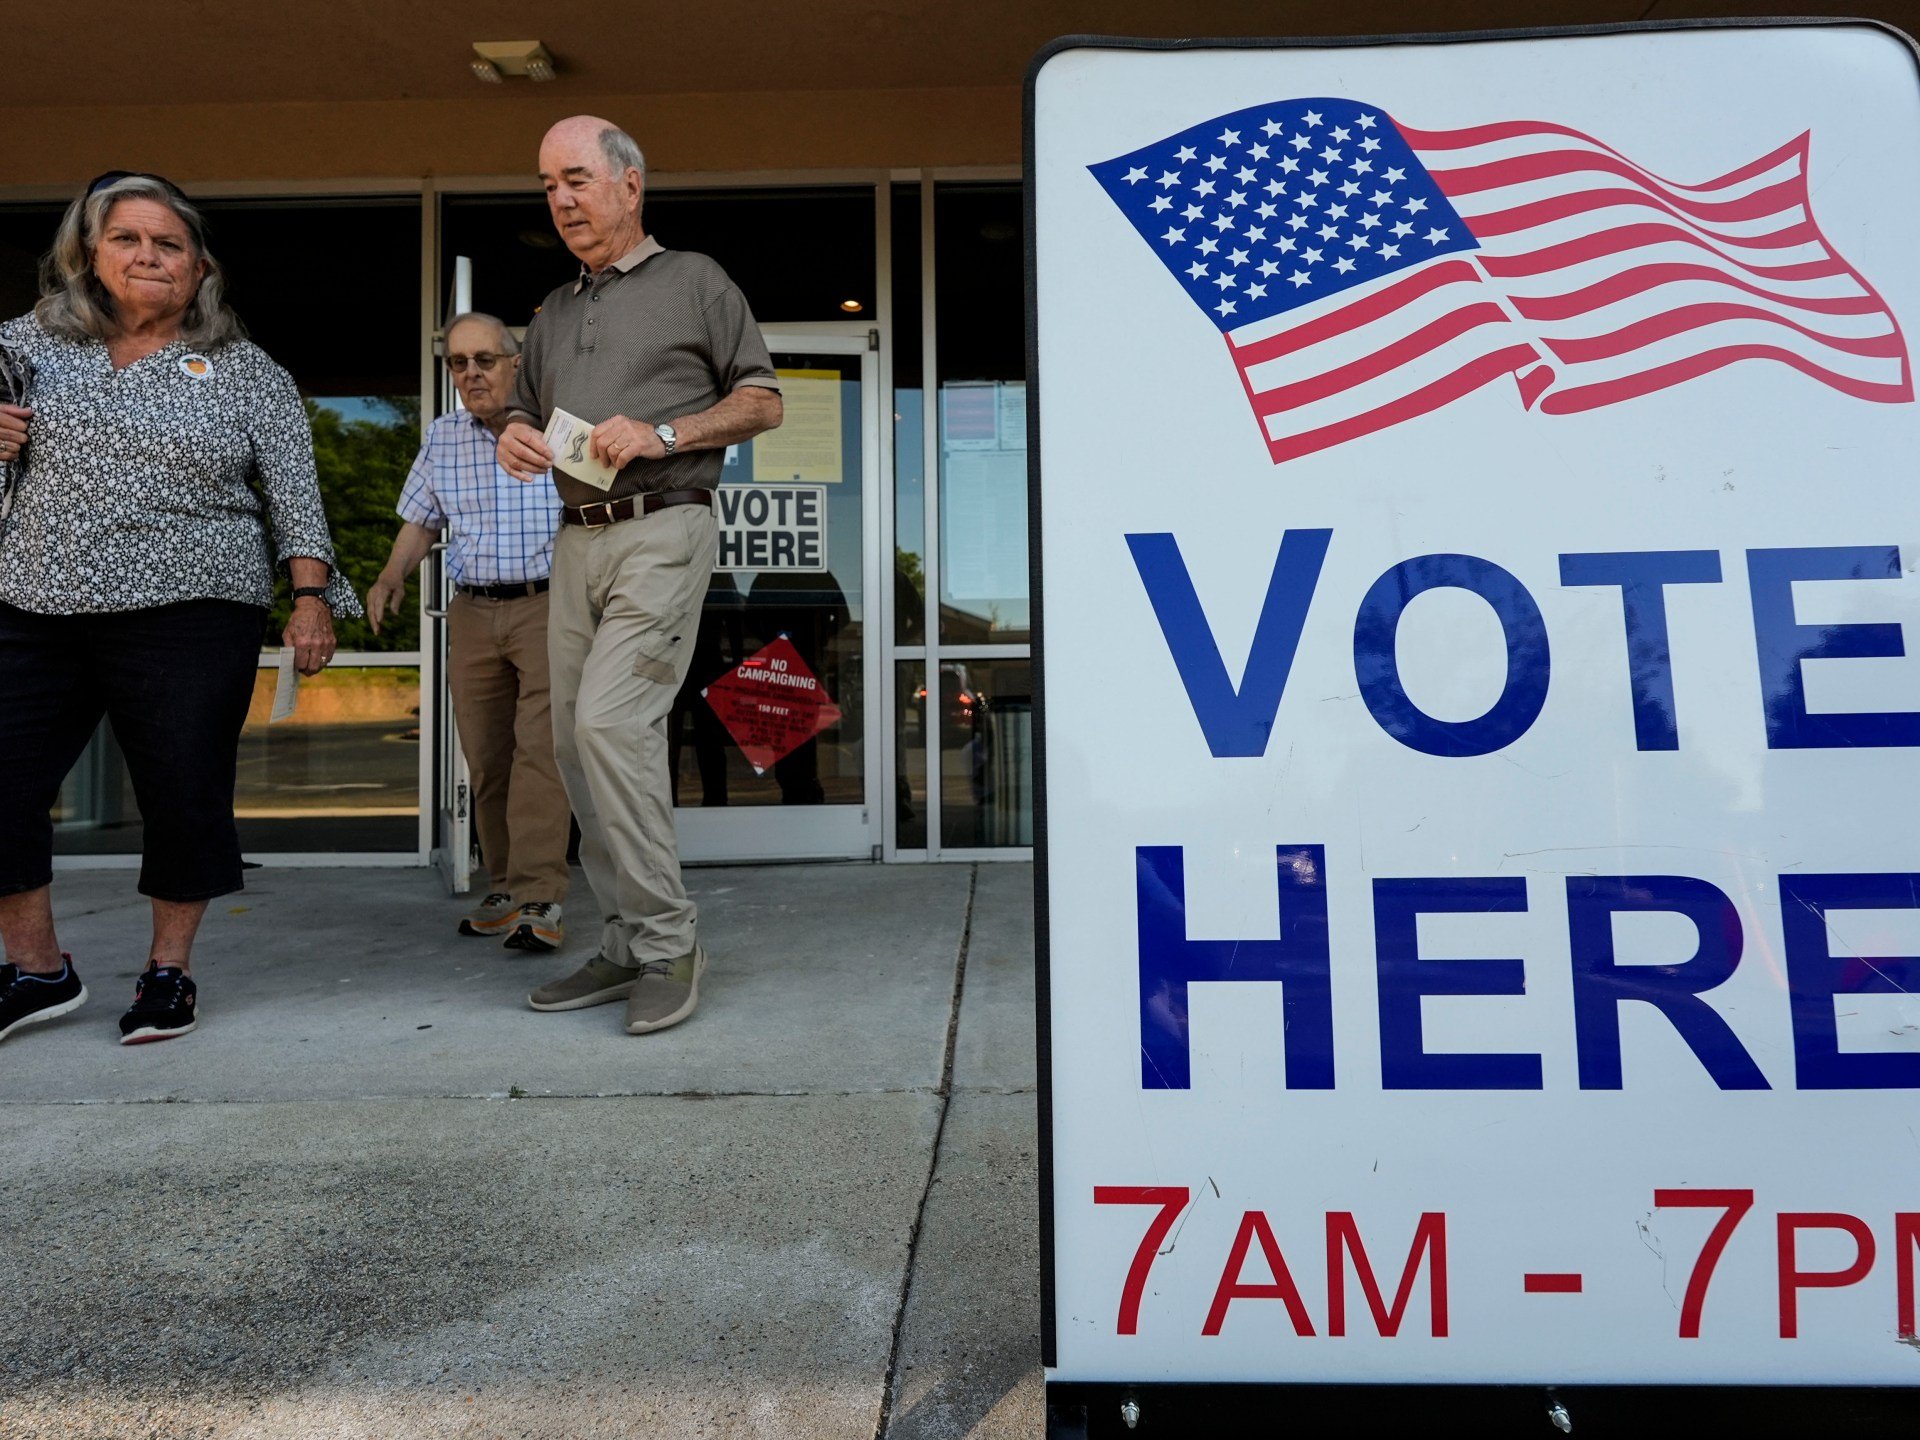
column 100, row 182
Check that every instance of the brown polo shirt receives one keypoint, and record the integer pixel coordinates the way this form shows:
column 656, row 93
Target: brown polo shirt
column 657, row 335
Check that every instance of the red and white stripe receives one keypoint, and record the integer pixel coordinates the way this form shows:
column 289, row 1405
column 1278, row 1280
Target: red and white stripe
column 1357, row 362
column 1597, row 281
column 1630, row 283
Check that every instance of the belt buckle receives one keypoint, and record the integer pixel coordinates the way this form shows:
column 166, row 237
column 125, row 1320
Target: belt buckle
column 605, row 507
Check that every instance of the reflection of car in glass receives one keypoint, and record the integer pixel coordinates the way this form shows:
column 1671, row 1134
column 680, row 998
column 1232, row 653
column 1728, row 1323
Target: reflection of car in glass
column 962, row 708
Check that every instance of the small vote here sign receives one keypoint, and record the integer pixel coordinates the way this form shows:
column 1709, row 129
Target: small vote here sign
column 771, row 527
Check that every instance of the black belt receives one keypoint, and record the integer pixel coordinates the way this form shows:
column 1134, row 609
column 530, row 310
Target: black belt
column 507, row 592
column 609, row 512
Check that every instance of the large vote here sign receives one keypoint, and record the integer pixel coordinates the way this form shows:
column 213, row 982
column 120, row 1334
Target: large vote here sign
column 1477, row 519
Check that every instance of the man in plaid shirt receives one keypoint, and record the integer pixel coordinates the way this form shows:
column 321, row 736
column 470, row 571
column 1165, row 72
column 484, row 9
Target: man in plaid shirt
column 499, row 552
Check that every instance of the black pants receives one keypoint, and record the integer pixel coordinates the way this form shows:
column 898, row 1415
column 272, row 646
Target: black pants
column 175, row 682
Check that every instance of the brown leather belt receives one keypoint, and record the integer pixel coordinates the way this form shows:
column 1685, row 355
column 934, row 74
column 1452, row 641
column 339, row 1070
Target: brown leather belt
column 611, row 512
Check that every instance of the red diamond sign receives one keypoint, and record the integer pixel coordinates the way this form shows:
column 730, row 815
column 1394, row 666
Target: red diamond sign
column 771, row 704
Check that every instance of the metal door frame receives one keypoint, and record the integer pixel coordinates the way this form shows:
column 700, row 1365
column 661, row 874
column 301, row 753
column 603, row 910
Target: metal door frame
column 446, row 784
column 735, row 834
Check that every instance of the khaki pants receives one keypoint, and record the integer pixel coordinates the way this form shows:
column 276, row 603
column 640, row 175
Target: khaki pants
column 626, row 606
column 497, row 670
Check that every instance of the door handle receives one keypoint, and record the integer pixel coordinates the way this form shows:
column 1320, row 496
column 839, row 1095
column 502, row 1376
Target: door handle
column 433, row 578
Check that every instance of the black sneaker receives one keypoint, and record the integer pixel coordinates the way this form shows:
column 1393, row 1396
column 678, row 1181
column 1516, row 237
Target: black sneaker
column 162, row 1006
column 27, row 999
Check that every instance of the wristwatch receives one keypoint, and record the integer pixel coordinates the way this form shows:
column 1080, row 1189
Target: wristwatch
column 318, row 592
column 667, row 436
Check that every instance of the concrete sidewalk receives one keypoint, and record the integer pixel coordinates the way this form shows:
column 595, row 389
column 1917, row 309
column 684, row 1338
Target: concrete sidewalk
column 374, row 1195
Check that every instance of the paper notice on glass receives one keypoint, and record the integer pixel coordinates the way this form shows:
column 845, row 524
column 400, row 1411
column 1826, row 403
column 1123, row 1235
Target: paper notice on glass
column 567, row 437
column 286, row 687
column 1011, row 411
column 807, row 448
column 969, row 415
column 983, row 531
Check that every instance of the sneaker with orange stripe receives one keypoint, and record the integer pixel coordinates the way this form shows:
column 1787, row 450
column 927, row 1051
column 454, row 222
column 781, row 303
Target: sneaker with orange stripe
column 492, row 916
column 537, row 927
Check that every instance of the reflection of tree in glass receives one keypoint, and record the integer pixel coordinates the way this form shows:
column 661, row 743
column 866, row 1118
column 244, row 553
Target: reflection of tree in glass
column 362, row 464
column 909, row 595
column 907, row 562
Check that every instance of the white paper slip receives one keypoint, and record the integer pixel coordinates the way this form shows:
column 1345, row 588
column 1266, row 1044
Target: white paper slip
column 567, row 437
column 286, row 688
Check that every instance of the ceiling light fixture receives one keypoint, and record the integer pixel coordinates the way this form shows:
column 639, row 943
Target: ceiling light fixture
column 512, row 57
column 852, row 307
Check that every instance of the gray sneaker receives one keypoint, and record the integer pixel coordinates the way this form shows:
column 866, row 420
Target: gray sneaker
column 598, row 982
column 666, row 992
column 491, row 916
column 536, row 927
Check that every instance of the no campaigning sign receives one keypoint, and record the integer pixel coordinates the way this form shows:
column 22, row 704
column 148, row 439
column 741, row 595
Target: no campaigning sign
column 772, row 704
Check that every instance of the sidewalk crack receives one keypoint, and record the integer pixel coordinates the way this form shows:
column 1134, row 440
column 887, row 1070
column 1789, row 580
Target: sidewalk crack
column 890, row 1384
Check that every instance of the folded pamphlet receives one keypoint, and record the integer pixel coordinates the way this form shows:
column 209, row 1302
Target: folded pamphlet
column 567, row 437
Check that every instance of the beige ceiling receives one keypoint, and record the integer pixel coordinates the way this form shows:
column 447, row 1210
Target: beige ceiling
column 276, row 90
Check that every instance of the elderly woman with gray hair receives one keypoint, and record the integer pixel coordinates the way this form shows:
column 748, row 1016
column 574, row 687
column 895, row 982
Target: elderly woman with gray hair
column 158, row 449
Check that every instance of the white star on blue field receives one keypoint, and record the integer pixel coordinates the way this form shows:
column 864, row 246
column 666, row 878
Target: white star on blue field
column 1266, row 209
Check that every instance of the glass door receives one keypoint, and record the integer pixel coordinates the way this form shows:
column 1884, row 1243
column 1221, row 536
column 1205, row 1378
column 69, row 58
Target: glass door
column 774, row 739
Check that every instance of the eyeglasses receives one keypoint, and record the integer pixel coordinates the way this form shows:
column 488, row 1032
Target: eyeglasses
column 100, row 182
column 482, row 362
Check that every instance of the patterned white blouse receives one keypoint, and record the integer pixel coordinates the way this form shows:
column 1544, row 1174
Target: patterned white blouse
column 159, row 482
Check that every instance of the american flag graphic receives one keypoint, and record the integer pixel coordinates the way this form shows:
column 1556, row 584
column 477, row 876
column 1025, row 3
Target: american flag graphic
column 1364, row 272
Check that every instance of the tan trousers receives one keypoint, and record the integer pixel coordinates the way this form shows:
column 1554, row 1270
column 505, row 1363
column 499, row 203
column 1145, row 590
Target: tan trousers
column 626, row 606
column 497, row 670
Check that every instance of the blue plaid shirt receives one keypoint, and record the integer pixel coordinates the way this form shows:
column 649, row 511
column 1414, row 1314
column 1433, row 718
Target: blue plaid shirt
column 499, row 531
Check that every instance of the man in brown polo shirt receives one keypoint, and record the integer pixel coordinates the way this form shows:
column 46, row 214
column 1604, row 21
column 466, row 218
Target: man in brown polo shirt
column 657, row 350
